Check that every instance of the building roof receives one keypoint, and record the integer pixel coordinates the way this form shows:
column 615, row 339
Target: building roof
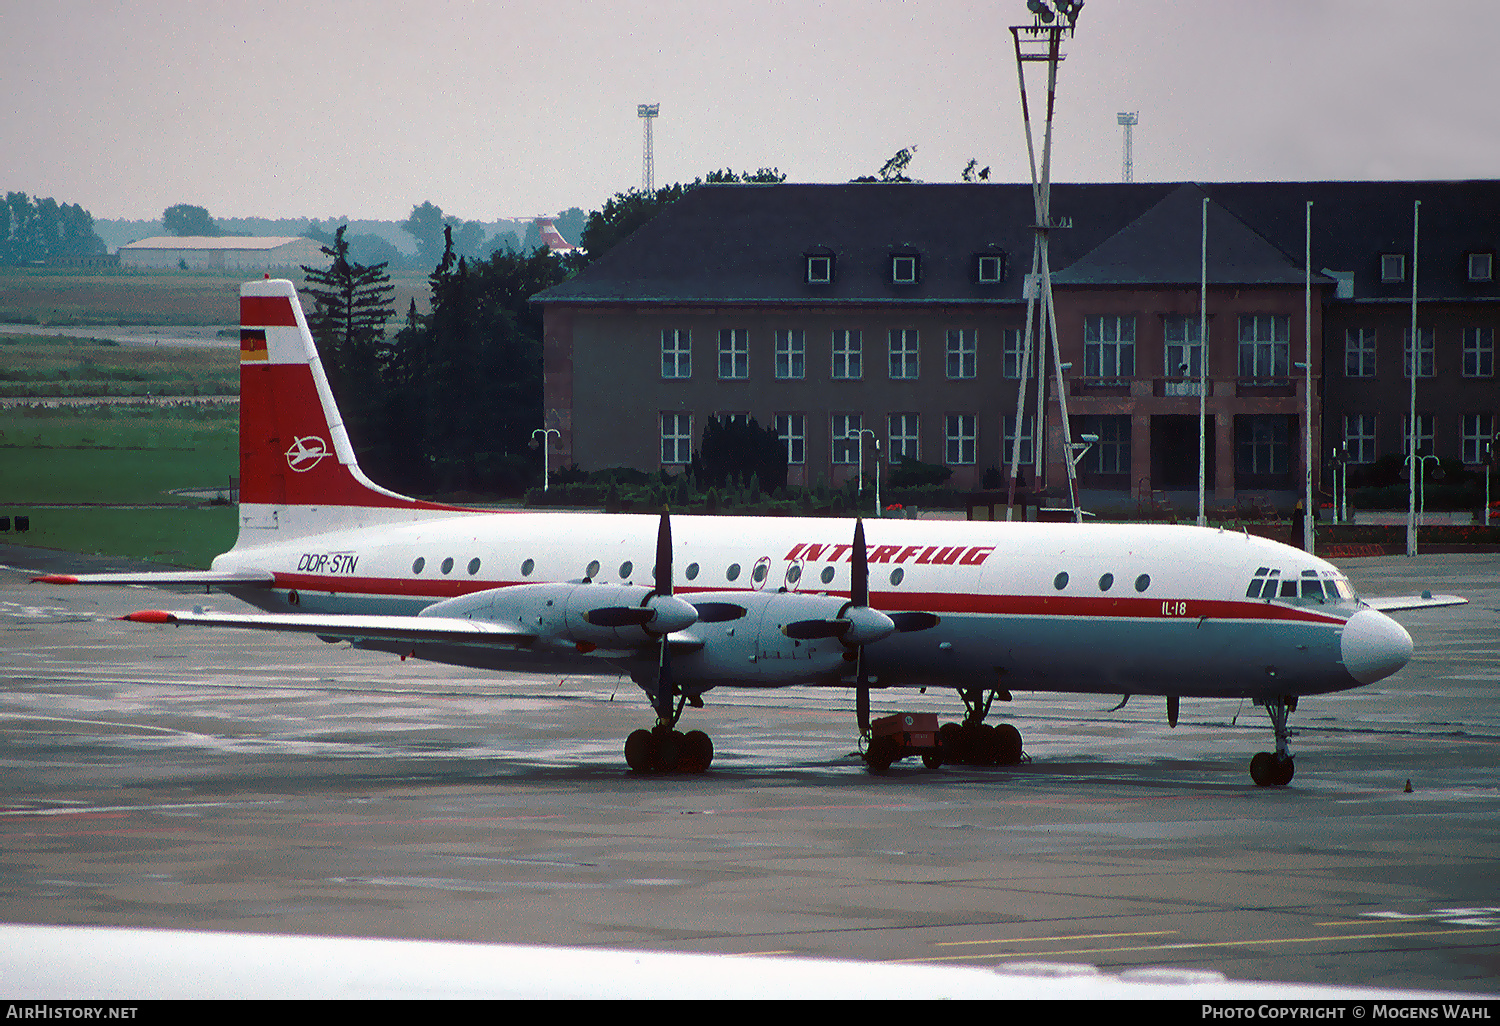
column 748, row 243
column 1166, row 246
column 227, row 242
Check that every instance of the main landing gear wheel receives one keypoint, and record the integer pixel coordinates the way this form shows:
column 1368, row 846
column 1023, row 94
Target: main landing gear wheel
column 664, row 750
column 976, row 743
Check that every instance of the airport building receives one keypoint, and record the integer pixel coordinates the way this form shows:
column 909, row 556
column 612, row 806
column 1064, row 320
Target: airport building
column 847, row 314
column 223, row 253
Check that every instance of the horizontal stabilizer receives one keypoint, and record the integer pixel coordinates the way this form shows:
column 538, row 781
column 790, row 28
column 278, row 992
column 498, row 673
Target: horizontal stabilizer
column 1425, row 600
column 415, row 629
column 168, row 579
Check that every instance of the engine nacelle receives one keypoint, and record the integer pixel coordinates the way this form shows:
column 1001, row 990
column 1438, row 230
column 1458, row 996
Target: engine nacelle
column 745, row 639
column 581, row 616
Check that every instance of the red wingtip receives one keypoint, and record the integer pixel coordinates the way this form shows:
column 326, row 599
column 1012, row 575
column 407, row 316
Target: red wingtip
column 150, row 616
column 55, row 579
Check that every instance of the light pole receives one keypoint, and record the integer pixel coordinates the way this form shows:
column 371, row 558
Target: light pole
column 546, row 467
column 1421, row 483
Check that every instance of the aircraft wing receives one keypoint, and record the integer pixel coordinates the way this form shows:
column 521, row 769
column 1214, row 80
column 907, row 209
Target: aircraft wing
column 168, row 579
column 1427, row 599
column 415, row 629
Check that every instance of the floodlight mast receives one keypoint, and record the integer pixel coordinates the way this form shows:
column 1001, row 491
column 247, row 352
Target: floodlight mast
column 648, row 112
column 1041, row 42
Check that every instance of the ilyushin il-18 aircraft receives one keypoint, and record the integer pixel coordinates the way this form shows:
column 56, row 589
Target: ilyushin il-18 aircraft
column 686, row 604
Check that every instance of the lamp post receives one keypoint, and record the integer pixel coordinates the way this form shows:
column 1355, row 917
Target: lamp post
column 546, row 466
column 1421, row 484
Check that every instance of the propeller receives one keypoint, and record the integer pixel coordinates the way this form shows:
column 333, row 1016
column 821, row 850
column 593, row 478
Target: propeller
column 857, row 624
column 663, row 589
column 659, row 612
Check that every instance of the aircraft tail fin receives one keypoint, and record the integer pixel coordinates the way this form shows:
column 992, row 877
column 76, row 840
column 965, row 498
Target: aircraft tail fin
column 298, row 472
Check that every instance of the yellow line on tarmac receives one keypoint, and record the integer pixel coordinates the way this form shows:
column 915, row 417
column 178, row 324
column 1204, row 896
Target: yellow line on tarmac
column 1068, row 937
column 1219, row 944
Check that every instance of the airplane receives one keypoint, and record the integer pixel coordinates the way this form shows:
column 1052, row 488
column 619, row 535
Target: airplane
column 686, row 604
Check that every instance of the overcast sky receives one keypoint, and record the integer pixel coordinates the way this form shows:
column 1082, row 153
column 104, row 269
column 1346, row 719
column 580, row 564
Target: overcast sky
column 364, row 108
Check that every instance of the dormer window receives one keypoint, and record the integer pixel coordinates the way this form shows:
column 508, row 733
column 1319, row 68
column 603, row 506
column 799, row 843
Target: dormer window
column 989, row 268
column 1481, row 266
column 905, row 269
column 1392, row 267
column 819, row 269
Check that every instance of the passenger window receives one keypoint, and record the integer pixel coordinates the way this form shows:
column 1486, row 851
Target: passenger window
column 592, row 570
column 1060, row 581
column 527, row 567
column 692, row 571
column 473, row 566
column 626, row 568
column 447, row 566
column 1106, row 582
column 733, row 573
column 827, row 574
column 1143, row 582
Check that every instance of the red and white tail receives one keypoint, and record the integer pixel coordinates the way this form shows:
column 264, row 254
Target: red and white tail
column 298, row 474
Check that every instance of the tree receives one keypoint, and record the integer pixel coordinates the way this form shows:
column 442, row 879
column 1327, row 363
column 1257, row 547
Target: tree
column 185, row 219
column 425, row 225
column 740, row 450
column 625, row 212
column 893, row 170
column 351, row 306
column 38, row 231
column 970, row 175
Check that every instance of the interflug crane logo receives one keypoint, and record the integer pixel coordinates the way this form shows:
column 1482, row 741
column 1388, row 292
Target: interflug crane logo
column 306, row 452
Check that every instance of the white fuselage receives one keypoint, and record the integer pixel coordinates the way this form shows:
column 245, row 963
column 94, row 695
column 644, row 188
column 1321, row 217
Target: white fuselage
column 1053, row 607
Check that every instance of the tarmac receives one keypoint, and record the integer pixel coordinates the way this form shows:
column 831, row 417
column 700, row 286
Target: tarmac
column 223, row 781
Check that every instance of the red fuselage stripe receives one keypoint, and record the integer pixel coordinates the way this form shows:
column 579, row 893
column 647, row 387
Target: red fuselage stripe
column 928, row 602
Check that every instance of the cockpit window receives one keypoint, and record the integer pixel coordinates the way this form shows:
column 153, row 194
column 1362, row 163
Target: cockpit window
column 1309, row 586
column 1312, row 588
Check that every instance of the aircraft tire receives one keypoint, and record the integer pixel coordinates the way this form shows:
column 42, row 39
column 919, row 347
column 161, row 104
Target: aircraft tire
column 697, row 752
column 1269, row 771
column 666, row 750
column 984, row 746
column 951, row 738
column 638, row 748
column 1008, row 743
column 932, row 760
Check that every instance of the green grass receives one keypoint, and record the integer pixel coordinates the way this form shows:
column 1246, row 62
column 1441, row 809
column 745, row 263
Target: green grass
column 33, row 366
column 113, row 457
column 189, row 536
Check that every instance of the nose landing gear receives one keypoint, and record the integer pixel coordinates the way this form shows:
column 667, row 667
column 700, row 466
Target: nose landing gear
column 1276, row 769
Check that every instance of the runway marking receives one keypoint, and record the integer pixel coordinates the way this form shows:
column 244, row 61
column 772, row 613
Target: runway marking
column 1074, row 936
column 1188, row 946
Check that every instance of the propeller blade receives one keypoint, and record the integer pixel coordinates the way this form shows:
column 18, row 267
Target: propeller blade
column 811, row 630
column 619, row 616
column 908, row 622
column 718, row 612
column 664, row 556
column 859, row 590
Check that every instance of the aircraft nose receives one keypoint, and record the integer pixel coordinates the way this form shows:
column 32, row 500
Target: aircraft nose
column 1374, row 646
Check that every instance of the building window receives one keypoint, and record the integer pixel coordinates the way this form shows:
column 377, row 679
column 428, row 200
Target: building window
column 676, row 353
column 1263, row 446
column 1481, row 266
column 989, row 270
column 1109, row 347
column 903, row 434
column 1184, row 353
column 791, row 355
column 819, row 270
column 1479, row 430
column 962, row 430
column 1425, row 354
column 1111, row 453
column 1424, row 434
column 846, row 350
column 1479, row 352
column 791, row 428
column 1359, row 353
column 905, row 270
column 1265, row 346
column 734, row 353
column 963, row 353
column 1010, row 353
column 1027, row 426
column 676, row 437
column 1392, row 267
column 846, row 438
column 904, row 352
column 1359, row 437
